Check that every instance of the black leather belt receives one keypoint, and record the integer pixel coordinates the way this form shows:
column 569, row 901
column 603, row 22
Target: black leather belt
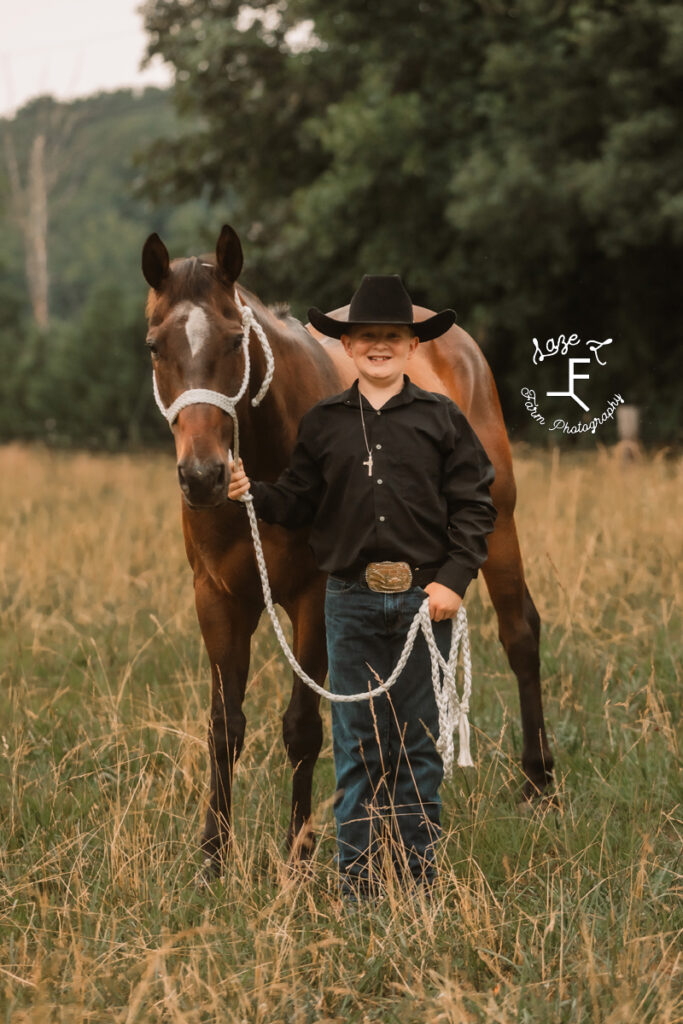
column 421, row 576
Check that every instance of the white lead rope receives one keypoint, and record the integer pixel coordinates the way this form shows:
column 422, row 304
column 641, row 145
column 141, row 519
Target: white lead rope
column 453, row 710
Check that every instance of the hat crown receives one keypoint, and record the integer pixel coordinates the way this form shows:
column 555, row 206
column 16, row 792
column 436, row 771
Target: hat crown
column 381, row 299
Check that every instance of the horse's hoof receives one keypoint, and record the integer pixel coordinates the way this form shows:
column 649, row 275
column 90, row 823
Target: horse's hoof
column 210, row 871
column 301, row 846
column 539, row 781
column 534, row 798
column 300, row 869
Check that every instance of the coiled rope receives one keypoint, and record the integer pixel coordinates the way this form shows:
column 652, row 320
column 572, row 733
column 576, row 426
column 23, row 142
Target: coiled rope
column 453, row 710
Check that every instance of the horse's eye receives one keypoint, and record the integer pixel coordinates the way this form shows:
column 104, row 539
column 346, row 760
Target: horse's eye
column 152, row 346
column 236, row 342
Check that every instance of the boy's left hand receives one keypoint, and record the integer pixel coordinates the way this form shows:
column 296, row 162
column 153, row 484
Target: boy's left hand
column 443, row 602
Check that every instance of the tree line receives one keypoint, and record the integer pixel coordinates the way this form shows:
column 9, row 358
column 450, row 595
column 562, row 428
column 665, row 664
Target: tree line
column 73, row 366
column 517, row 160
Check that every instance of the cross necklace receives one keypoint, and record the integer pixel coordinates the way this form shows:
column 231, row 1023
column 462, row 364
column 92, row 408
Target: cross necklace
column 368, row 461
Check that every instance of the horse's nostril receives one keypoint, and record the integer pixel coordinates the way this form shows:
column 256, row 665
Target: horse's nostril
column 202, row 481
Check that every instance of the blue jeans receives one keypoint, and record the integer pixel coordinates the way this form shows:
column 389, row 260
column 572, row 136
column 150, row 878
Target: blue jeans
column 388, row 770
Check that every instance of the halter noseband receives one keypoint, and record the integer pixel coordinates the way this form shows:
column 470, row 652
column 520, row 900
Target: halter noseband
column 197, row 396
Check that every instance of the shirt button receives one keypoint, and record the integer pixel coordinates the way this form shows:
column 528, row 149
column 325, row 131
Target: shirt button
column 379, row 481
column 379, row 413
column 382, row 519
column 378, row 446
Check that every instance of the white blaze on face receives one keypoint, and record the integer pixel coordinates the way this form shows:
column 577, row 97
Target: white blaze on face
column 197, row 328
column 196, row 325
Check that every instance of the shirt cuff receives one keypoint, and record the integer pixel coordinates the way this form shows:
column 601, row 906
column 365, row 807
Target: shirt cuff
column 259, row 494
column 456, row 577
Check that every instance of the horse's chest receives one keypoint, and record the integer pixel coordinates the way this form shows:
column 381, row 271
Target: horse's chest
column 230, row 562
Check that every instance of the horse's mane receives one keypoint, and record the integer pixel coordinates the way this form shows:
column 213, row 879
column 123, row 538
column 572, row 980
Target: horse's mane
column 281, row 310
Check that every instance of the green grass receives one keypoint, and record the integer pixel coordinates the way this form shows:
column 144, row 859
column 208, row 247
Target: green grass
column 567, row 913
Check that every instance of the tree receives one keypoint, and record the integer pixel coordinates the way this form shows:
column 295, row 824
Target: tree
column 521, row 162
column 84, row 376
column 29, row 209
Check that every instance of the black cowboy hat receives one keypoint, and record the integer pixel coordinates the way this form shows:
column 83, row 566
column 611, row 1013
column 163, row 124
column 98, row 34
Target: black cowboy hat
column 382, row 299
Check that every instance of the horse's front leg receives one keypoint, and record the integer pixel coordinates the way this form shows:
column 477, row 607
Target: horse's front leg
column 301, row 724
column 227, row 625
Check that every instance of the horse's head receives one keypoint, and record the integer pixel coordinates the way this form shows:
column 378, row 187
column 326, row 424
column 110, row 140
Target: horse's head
column 195, row 341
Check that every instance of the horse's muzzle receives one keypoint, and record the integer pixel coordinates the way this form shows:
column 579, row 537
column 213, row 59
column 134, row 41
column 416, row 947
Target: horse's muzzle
column 204, row 483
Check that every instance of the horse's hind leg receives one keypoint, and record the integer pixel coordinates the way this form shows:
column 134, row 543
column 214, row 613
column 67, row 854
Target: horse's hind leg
column 227, row 626
column 301, row 723
column 519, row 629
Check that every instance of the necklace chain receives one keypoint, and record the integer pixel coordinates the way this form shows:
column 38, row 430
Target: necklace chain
column 368, row 461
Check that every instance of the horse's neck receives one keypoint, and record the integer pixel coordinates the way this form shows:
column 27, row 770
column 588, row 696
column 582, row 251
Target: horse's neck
column 303, row 375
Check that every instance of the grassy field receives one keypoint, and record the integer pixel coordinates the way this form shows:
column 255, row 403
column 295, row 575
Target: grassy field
column 566, row 914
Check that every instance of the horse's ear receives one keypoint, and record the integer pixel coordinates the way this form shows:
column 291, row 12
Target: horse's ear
column 229, row 253
column 154, row 261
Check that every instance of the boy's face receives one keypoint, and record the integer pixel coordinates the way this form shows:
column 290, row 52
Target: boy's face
column 380, row 351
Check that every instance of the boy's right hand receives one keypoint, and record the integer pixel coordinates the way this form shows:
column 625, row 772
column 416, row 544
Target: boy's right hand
column 239, row 482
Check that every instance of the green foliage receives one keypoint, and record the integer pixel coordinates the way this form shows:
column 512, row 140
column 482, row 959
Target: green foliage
column 521, row 163
column 86, row 380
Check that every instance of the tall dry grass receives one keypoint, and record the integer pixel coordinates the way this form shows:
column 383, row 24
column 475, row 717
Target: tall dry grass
column 554, row 914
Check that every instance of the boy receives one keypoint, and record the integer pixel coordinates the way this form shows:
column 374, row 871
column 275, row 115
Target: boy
column 395, row 485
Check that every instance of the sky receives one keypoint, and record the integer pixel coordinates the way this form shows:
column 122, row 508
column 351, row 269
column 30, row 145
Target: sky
column 71, row 48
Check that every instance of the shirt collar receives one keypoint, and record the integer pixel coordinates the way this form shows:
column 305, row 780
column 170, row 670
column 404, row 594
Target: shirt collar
column 408, row 393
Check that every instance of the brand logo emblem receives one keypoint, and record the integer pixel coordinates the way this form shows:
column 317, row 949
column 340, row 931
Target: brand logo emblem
column 572, row 392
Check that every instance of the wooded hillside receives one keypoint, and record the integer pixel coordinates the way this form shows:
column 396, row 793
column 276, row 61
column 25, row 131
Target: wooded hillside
column 73, row 366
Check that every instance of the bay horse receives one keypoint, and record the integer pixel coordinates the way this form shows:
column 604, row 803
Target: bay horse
column 195, row 340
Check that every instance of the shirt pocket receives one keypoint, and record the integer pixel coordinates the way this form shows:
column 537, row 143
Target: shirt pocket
column 417, row 479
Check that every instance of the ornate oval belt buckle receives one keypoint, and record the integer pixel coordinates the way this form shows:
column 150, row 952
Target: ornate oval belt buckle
column 388, row 577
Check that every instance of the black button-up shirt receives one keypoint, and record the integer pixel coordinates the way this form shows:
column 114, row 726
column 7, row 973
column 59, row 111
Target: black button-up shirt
column 427, row 501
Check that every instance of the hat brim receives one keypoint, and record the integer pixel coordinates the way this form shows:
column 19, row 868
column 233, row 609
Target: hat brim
column 425, row 330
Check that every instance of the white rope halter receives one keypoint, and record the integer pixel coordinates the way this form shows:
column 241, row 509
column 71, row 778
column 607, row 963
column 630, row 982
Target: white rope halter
column 453, row 711
column 197, row 396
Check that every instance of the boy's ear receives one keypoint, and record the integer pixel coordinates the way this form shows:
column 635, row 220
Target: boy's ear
column 346, row 342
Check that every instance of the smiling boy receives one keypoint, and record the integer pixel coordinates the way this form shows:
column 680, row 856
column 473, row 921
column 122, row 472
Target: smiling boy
column 394, row 484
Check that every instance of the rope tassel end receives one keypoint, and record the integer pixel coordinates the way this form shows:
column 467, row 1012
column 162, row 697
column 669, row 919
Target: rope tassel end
column 464, row 755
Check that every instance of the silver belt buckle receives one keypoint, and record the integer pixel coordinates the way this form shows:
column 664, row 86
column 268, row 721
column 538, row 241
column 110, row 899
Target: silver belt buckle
column 388, row 577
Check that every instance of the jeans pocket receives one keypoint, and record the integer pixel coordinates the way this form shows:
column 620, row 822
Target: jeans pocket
column 338, row 586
